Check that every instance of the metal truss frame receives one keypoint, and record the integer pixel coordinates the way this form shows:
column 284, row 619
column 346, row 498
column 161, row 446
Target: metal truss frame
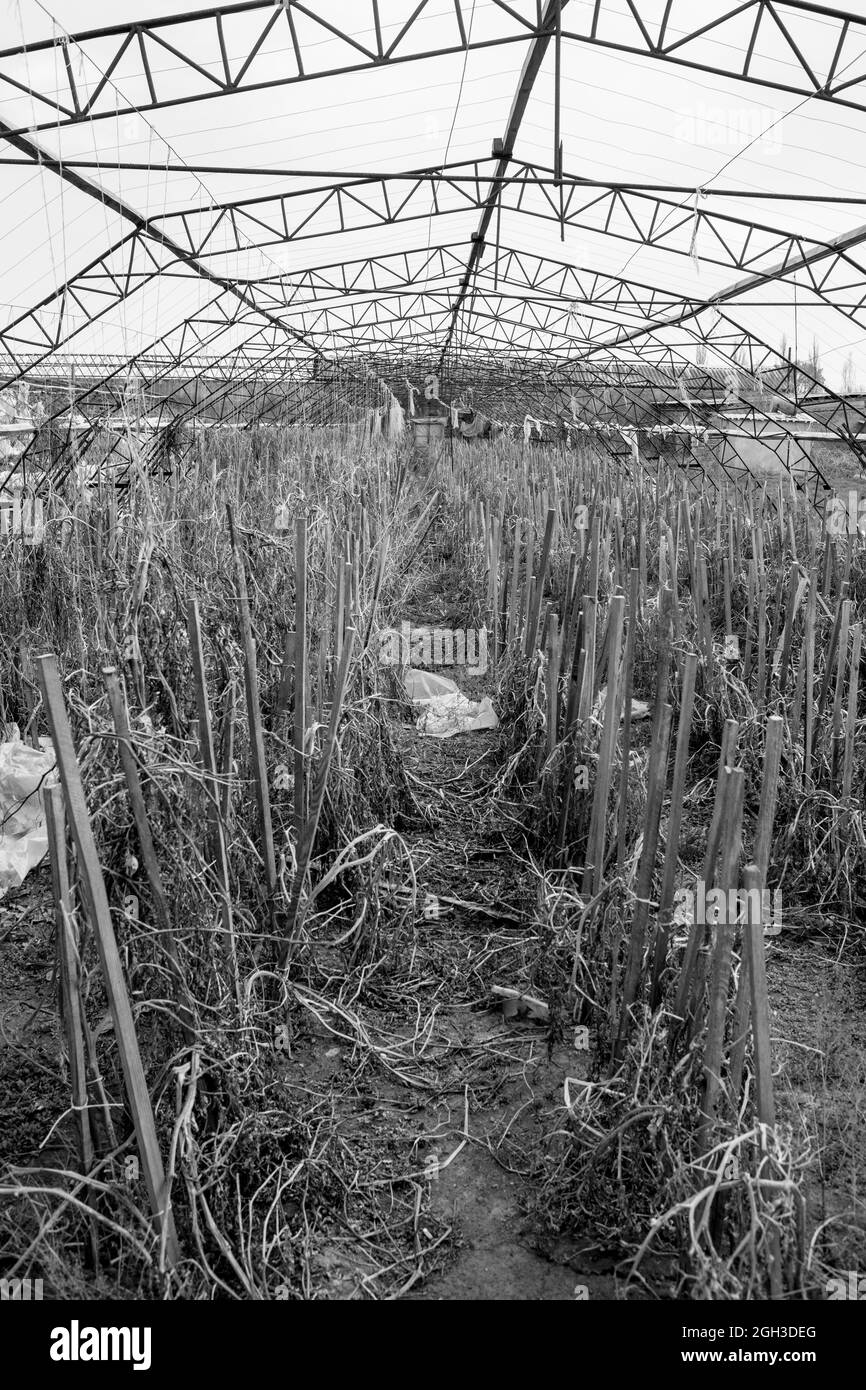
column 198, row 43
column 459, row 307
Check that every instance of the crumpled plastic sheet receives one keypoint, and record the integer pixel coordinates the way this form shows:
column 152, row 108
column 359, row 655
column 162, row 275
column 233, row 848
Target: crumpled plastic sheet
column 25, row 773
column 639, row 708
column 456, row 714
column 446, row 710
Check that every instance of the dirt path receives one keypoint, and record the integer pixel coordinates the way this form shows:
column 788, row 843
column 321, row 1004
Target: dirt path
column 511, row 1076
column 502, row 1077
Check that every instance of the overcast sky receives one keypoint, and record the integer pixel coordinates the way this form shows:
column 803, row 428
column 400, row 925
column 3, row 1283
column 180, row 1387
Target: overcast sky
column 624, row 118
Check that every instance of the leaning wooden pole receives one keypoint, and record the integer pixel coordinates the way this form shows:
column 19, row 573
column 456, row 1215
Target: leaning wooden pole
column 70, row 980
column 109, row 956
column 117, row 704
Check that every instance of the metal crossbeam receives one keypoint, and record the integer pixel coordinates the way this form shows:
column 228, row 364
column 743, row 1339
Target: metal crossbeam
column 197, row 56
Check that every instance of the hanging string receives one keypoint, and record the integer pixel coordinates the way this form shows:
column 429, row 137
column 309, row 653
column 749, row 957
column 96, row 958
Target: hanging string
column 693, row 245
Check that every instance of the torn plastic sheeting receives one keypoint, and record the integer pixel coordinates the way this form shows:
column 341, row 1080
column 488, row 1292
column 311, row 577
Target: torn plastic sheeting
column 455, row 714
column 422, row 686
column 639, row 708
column 518, row 1005
column 25, row 772
column 447, row 711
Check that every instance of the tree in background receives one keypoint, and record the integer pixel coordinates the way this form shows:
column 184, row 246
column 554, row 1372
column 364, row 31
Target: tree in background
column 798, row 381
column 850, row 384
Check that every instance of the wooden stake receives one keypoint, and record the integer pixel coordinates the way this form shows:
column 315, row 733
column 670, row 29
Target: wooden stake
column 681, row 763
column 754, row 941
column 307, row 844
column 761, row 1050
column 254, row 716
column 128, row 763
column 109, row 956
column 594, row 866
column 628, row 682
column 696, row 932
column 216, row 829
column 722, row 958
column 70, row 979
column 655, row 796
column 763, row 844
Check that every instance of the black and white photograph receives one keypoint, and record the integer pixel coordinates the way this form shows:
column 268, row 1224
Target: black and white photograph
column 432, row 707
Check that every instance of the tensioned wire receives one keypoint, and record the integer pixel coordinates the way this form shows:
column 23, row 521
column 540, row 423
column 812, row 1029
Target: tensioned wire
column 806, row 99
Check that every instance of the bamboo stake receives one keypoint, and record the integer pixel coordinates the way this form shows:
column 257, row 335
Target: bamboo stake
column 572, row 709
column 227, row 754
column 534, row 612
column 284, row 690
column 70, row 978
column 307, row 844
column 842, row 615
column 553, row 685
column 254, row 716
column 681, row 763
column 761, row 598
column 841, row 672
column 128, row 763
column 696, row 932
column 588, row 632
column 594, row 866
column 788, row 629
column 300, row 726
column 655, row 795
column 109, row 957
column 216, row 833
column 754, row 939
column 513, row 605
column 763, row 844
column 851, row 716
column 722, row 959
column 723, row 951
column 809, row 665
column 625, row 769
column 761, row 1050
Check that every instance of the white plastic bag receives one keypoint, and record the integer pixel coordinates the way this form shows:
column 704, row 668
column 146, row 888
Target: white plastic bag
column 25, row 773
column 455, row 714
column 446, row 711
column 423, row 686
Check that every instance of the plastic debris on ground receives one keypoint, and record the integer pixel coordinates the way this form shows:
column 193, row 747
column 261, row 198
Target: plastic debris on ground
column 639, row 708
column 25, row 773
column 517, row 1005
column 447, row 711
column 427, row 685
